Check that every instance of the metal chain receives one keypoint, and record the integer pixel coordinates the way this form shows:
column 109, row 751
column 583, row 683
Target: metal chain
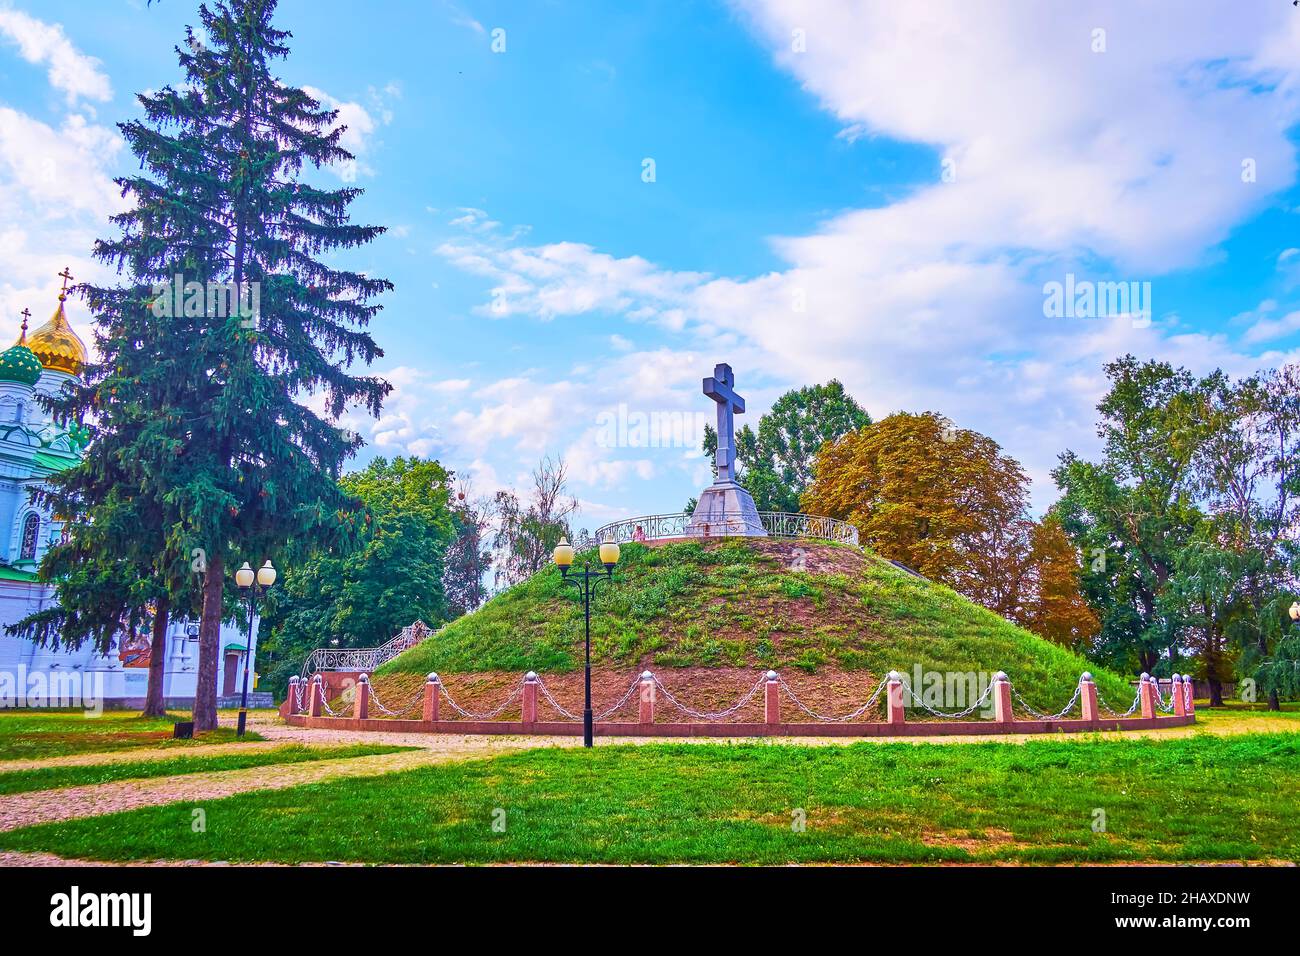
column 631, row 692
column 1113, row 712
column 546, row 692
column 324, row 702
column 939, row 713
column 718, row 715
column 1039, row 714
column 411, row 707
column 514, row 694
column 816, row 716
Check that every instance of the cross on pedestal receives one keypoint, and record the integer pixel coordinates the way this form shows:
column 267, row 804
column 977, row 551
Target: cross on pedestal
column 720, row 388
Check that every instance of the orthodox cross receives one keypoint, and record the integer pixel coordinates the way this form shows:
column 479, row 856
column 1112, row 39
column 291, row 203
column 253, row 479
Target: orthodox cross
column 66, row 275
column 26, row 314
column 720, row 388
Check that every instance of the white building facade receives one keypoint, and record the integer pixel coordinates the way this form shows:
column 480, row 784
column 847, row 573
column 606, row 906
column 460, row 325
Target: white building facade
column 32, row 447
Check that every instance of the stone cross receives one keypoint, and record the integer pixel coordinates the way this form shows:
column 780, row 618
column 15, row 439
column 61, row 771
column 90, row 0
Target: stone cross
column 720, row 389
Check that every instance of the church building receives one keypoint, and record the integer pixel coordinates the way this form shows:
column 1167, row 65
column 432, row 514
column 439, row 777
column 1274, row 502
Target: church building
column 33, row 447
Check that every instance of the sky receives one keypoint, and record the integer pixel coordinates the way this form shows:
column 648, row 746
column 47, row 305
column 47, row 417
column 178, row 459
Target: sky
column 589, row 205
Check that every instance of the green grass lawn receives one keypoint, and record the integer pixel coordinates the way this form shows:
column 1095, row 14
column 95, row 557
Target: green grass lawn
column 1197, row 798
column 49, row 778
column 32, row 734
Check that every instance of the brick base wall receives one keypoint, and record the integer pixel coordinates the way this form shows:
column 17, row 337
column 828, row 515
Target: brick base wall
column 616, row 729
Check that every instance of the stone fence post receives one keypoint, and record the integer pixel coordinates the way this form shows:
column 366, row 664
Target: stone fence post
column 317, row 694
column 772, row 699
column 432, row 697
column 292, row 695
column 361, row 703
column 1147, row 695
column 1176, row 694
column 1088, row 696
column 1189, row 695
column 646, row 712
column 530, row 698
column 1002, row 698
column 894, row 699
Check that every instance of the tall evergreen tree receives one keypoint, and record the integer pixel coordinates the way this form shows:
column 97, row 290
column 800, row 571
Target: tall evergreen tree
column 237, row 462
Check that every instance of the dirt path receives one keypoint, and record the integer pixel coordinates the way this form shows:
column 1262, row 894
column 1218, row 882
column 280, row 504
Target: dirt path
column 45, row 806
column 141, row 755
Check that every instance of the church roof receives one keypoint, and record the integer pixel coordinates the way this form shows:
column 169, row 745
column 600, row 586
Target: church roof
column 20, row 364
column 56, row 345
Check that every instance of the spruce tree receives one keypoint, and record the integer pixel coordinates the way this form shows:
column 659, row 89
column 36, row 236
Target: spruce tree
column 209, row 397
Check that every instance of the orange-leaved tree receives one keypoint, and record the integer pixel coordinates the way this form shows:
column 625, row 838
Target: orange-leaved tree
column 949, row 504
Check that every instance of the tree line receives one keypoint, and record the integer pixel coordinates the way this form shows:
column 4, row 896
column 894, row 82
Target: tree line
column 1178, row 549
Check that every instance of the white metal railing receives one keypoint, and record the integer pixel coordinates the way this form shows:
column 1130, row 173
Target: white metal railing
column 365, row 659
column 776, row 524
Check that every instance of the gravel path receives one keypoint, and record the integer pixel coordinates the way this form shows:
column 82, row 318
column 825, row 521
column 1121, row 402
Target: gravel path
column 142, row 754
column 44, row 806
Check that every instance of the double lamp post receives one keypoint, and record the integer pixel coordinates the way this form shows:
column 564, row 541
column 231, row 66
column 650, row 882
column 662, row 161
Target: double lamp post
column 586, row 580
column 252, row 584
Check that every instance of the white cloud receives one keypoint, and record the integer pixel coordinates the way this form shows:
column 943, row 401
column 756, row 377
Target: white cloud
column 361, row 124
column 1125, row 164
column 57, row 173
column 74, row 73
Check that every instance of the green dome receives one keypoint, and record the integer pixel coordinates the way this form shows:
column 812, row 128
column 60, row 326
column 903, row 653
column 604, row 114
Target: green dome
column 20, row 364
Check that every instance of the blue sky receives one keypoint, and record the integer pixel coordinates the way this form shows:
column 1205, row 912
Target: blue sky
column 800, row 224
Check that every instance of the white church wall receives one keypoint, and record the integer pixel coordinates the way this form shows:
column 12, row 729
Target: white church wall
column 122, row 685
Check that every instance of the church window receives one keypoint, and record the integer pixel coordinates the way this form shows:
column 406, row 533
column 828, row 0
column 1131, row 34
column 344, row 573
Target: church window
column 31, row 530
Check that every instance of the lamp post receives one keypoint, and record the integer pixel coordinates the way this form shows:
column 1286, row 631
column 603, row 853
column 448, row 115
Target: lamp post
column 586, row 582
column 253, row 585
column 1295, row 611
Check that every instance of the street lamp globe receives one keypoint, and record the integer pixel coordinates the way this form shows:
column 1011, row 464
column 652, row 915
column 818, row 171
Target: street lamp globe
column 266, row 574
column 563, row 554
column 244, row 576
column 609, row 554
column 1295, row 611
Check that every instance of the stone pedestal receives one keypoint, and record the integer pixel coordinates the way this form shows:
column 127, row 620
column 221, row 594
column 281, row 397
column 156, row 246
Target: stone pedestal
column 725, row 509
column 646, row 710
column 1001, row 699
column 772, row 699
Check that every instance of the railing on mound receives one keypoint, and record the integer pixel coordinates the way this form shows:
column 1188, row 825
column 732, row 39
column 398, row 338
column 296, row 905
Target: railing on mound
column 893, row 695
column 365, row 659
column 776, row 524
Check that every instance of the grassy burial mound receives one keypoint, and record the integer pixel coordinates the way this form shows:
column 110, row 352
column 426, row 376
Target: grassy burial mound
column 707, row 617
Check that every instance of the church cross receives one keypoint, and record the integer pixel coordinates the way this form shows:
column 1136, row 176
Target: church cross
column 66, row 275
column 26, row 314
column 720, row 389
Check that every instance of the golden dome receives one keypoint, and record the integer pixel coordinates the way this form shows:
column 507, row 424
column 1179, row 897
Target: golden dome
column 56, row 345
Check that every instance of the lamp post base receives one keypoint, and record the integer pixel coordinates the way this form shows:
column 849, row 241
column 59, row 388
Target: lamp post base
column 243, row 720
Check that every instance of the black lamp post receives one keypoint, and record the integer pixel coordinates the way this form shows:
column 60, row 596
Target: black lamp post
column 252, row 585
column 586, row 582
